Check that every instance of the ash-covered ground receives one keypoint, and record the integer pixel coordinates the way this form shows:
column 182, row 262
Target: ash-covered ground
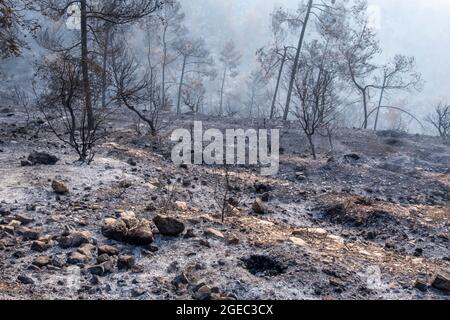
column 369, row 220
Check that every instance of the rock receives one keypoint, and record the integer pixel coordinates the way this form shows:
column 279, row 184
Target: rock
column 125, row 184
column 258, row 207
column 42, row 158
column 189, row 234
column 25, row 220
column 41, row 261
column 87, row 250
column 300, row 176
column 233, row 240
column 182, row 206
column 102, row 269
column 352, row 157
column 75, row 239
column 77, row 258
column 103, row 258
column 59, row 187
column 31, row 234
column 114, row 229
column 26, row 163
column 109, row 250
column 125, row 262
column 442, row 283
column 15, row 224
column 40, row 246
column 58, row 261
column 168, row 226
column 129, row 217
column 262, row 188
column 132, row 162
column 266, row 197
column 140, row 236
column 203, row 293
column 180, row 279
column 128, row 229
column 298, row 242
column 25, row 279
column 421, row 285
column 310, row 232
column 213, row 233
column 137, row 292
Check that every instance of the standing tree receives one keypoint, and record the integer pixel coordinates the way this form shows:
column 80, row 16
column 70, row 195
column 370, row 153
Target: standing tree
column 10, row 44
column 196, row 59
column 230, row 59
column 92, row 11
column 275, row 57
column 358, row 48
column 170, row 20
column 399, row 74
column 441, row 121
column 315, row 89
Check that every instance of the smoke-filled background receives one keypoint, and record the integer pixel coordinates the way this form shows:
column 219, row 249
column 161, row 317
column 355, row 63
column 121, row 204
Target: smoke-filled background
column 411, row 27
column 415, row 28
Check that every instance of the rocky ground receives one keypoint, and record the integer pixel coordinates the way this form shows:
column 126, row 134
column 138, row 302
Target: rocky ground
column 369, row 220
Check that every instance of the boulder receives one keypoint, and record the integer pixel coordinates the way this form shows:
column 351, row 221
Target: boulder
column 59, row 187
column 75, row 239
column 31, row 233
column 141, row 235
column 125, row 262
column 25, row 279
column 258, row 207
column 442, row 283
column 128, row 229
column 114, row 229
column 168, row 226
column 109, row 250
column 213, row 233
column 102, row 269
column 42, row 158
column 40, row 246
column 77, row 258
column 41, row 261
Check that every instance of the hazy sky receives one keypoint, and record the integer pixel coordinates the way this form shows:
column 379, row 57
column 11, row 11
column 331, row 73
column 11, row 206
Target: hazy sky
column 413, row 27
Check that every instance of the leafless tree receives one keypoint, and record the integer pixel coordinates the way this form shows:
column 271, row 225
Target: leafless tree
column 230, row 59
column 196, row 60
column 135, row 91
column 123, row 12
column 311, row 8
column 193, row 95
column 61, row 103
column 399, row 74
column 315, row 91
column 440, row 119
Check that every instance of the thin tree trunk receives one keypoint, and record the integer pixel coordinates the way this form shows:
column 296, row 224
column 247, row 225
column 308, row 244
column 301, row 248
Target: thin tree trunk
column 105, row 62
column 275, row 95
column 311, row 145
column 222, row 91
column 163, row 71
column 85, row 66
column 296, row 61
column 379, row 105
column 366, row 116
column 181, row 85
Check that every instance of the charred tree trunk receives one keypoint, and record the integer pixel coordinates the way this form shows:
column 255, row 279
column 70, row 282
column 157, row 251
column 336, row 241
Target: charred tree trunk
column 277, row 87
column 85, row 66
column 297, row 60
column 183, row 69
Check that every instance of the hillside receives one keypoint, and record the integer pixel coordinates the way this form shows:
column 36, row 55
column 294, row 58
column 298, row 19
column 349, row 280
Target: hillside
column 370, row 220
